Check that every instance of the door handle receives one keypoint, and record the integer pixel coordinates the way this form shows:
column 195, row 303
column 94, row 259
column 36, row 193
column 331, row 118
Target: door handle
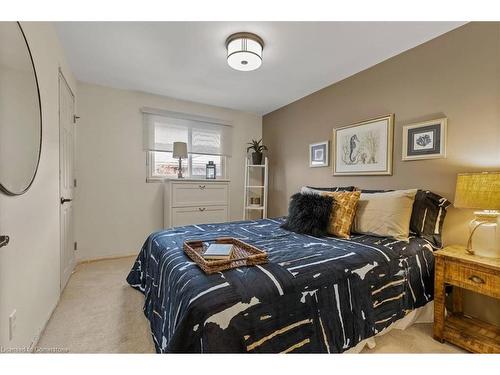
column 4, row 241
column 64, row 200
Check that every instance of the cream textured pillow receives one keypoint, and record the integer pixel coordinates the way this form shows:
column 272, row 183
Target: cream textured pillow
column 385, row 214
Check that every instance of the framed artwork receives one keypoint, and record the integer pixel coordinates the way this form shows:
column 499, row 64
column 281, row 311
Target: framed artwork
column 318, row 154
column 424, row 140
column 364, row 148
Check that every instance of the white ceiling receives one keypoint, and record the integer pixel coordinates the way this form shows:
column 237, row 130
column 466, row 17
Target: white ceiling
column 186, row 60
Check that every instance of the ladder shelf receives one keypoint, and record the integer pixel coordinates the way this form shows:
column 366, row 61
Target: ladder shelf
column 262, row 189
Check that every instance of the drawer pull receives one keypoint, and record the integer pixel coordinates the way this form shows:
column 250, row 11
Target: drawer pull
column 202, row 208
column 476, row 279
column 202, row 187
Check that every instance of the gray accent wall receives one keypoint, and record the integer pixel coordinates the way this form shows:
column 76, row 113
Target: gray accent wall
column 456, row 75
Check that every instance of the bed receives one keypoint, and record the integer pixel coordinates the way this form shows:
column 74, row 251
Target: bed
column 316, row 294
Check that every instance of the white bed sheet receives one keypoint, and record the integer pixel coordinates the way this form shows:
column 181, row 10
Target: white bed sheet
column 424, row 314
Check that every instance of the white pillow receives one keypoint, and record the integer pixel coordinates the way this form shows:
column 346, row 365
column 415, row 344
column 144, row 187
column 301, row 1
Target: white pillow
column 385, row 214
column 307, row 190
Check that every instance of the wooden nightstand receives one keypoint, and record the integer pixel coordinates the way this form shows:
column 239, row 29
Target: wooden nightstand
column 454, row 266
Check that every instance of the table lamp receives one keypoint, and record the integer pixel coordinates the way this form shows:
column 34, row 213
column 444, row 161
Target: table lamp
column 481, row 191
column 180, row 151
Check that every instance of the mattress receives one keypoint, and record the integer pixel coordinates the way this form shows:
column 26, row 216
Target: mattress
column 315, row 295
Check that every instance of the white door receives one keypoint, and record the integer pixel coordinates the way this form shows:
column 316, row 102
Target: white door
column 66, row 177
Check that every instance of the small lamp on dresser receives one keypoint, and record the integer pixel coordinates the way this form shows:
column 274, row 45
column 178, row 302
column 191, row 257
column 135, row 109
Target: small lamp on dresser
column 481, row 191
column 180, row 151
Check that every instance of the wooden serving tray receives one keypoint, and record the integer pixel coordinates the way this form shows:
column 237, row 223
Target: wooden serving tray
column 243, row 255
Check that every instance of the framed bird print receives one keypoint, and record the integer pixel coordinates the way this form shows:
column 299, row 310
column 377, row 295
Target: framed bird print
column 364, row 148
column 424, row 140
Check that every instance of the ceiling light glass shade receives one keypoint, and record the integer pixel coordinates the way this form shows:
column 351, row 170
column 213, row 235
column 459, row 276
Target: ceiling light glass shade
column 244, row 51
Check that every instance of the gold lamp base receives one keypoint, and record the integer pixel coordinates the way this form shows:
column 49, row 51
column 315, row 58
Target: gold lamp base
column 485, row 227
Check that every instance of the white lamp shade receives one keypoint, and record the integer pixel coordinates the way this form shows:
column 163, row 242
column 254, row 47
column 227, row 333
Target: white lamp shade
column 180, row 150
column 244, row 51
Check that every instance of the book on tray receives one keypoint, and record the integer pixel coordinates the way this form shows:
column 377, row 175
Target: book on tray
column 218, row 251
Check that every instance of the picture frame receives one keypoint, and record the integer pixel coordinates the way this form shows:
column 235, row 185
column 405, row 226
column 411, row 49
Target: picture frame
column 364, row 148
column 424, row 140
column 319, row 155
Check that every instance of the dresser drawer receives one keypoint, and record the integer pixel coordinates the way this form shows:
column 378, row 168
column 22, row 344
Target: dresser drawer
column 194, row 194
column 198, row 215
column 485, row 282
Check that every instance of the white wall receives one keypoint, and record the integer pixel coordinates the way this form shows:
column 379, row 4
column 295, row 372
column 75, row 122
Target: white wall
column 17, row 94
column 115, row 208
column 29, row 265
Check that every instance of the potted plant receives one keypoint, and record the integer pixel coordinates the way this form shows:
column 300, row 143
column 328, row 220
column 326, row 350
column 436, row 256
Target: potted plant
column 257, row 149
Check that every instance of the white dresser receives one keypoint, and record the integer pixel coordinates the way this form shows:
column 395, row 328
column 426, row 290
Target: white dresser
column 192, row 201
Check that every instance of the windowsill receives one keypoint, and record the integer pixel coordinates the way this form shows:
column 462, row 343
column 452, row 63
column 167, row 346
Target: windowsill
column 193, row 179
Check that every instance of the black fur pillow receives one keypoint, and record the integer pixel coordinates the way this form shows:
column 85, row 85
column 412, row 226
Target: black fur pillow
column 309, row 214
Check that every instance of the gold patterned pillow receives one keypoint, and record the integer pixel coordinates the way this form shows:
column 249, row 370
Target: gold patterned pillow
column 343, row 211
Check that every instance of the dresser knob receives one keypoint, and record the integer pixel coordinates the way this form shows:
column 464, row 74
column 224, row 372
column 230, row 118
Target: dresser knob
column 476, row 279
column 201, row 208
column 201, row 187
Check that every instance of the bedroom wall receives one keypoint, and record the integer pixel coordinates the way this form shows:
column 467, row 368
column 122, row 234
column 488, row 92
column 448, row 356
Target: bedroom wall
column 29, row 265
column 115, row 208
column 456, row 75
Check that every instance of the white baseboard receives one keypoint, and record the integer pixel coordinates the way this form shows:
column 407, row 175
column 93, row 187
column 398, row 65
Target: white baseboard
column 36, row 339
column 107, row 257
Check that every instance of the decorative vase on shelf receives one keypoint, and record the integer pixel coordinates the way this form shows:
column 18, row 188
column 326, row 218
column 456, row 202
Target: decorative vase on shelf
column 256, row 147
column 257, row 158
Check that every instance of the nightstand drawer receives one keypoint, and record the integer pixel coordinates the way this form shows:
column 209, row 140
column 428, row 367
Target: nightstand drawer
column 465, row 277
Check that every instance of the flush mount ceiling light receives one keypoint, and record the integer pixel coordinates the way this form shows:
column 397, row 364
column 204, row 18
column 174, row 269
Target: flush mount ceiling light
column 244, row 51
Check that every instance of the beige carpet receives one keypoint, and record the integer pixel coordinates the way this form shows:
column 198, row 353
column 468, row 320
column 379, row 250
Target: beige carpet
column 99, row 313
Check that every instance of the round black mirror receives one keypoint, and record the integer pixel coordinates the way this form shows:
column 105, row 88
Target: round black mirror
column 20, row 112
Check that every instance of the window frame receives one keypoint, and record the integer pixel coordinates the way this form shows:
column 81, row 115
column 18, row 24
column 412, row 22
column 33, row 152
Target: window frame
column 150, row 163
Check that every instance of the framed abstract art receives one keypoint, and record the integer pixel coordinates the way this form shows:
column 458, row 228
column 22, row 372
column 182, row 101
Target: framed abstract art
column 424, row 140
column 318, row 154
column 364, row 148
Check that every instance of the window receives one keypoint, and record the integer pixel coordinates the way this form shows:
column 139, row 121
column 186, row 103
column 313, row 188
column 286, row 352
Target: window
column 198, row 163
column 207, row 140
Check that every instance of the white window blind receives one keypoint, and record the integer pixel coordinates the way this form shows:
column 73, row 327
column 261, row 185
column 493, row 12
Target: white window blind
column 203, row 136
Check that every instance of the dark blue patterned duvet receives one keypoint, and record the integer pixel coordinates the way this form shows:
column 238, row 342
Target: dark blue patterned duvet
column 315, row 294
